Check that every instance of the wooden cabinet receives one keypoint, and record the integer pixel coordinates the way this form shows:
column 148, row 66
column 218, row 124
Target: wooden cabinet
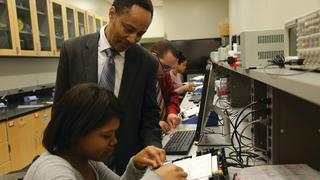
column 21, row 140
column 25, row 25
column 60, row 25
column 25, row 137
column 100, row 21
column 7, row 38
column 40, row 125
column 44, row 33
column 81, row 22
column 39, row 27
column 91, row 23
column 98, row 24
column 5, row 164
column 71, row 21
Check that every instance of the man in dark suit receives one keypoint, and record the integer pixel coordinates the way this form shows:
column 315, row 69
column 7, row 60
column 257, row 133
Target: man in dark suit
column 83, row 59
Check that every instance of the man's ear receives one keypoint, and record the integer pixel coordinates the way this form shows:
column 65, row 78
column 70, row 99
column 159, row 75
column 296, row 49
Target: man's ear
column 112, row 13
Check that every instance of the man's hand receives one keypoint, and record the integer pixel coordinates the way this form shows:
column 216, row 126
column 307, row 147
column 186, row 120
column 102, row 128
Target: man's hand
column 173, row 120
column 165, row 128
column 149, row 156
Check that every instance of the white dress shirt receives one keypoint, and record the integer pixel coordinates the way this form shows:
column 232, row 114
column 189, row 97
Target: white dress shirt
column 118, row 60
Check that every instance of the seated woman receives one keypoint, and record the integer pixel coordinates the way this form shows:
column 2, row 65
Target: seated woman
column 176, row 75
column 81, row 135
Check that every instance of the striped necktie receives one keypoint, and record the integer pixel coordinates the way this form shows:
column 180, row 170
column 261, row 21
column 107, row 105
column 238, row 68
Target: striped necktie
column 107, row 77
column 161, row 103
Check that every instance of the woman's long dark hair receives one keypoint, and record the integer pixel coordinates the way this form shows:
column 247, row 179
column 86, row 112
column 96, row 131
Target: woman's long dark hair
column 82, row 109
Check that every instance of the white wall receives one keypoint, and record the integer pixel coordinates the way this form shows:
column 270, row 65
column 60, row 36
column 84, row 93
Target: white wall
column 17, row 72
column 266, row 14
column 194, row 19
column 99, row 7
column 156, row 28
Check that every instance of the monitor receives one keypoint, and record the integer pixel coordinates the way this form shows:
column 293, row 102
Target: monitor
column 197, row 52
column 203, row 103
column 206, row 106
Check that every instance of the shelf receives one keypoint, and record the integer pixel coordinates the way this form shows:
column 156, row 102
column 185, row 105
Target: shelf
column 3, row 2
column 70, row 21
column 57, row 17
column 80, row 24
column 41, row 13
column 23, row 8
column 43, row 35
column 59, row 37
column 304, row 85
column 6, row 30
column 25, row 32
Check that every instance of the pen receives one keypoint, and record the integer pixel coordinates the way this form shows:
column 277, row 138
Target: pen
column 178, row 159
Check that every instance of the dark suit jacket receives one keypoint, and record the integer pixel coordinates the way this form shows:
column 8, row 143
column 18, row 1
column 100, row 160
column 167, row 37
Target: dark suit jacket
column 139, row 127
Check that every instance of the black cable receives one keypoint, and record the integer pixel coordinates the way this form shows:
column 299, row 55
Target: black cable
column 235, row 128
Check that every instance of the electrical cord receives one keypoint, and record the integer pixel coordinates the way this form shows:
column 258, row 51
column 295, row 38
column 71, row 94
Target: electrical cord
column 235, row 129
column 241, row 134
column 280, row 62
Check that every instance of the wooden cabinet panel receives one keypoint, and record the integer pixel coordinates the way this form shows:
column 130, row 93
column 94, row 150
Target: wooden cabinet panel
column 81, row 23
column 4, row 152
column 3, row 132
column 91, row 23
column 39, row 27
column 4, row 149
column 8, row 46
column 44, row 36
column 5, row 168
column 22, row 141
column 45, row 116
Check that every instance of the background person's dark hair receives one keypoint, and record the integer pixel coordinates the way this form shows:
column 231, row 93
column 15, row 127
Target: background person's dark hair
column 181, row 57
column 82, row 109
column 124, row 5
column 162, row 47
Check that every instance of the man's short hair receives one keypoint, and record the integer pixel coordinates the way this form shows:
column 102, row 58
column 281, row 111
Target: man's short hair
column 124, row 5
column 162, row 47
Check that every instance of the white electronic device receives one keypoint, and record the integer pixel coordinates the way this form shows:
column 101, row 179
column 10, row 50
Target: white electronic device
column 222, row 53
column 302, row 39
column 255, row 48
column 191, row 112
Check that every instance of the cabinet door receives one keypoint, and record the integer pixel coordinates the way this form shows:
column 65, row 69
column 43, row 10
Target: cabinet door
column 7, row 37
column 42, row 122
column 5, row 168
column 44, row 33
column 22, row 141
column 98, row 24
column 58, row 25
column 25, row 25
column 71, row 25
column 91, row 23
column 81, row 22
column 4, row 148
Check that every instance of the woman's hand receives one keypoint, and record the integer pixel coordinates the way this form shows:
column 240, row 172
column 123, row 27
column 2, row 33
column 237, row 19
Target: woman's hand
column 171, row 172
column 149, row 156
column 188, row 87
